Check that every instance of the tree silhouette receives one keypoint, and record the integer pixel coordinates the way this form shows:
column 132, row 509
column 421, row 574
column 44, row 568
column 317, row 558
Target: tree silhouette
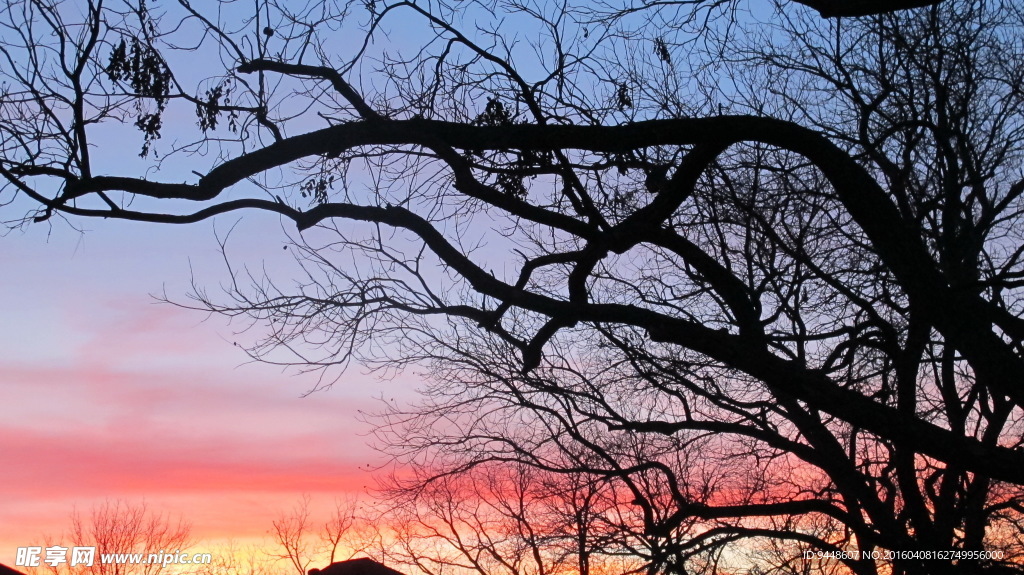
column 300, row 541
column 762, row 272
column 120, row 528
column 501, row 518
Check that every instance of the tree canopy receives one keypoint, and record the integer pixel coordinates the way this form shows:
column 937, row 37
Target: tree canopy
column 751, row 275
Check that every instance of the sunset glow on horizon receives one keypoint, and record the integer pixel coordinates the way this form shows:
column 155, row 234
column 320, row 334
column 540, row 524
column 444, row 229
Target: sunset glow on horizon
column 107, row 395
column 418, row 287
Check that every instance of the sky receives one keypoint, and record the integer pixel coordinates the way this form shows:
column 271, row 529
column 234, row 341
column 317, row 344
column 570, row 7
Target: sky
column 106, row 393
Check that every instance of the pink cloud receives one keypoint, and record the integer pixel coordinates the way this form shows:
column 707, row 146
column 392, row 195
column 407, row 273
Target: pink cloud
column 224, row 446
column 104, row 394
column 41, row 465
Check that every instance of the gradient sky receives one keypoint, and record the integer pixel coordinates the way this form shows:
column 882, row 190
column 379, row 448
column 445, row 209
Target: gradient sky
column 105, row 393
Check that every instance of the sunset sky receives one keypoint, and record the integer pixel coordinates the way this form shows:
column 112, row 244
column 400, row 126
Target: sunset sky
column 105, row 393
column 697, row 286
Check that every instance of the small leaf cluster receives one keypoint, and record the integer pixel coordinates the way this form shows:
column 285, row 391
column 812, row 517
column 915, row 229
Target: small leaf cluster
column 140, row 65
column 209, row 107
column 495, row 114
column 661, row 50
column 317, row 188
column 623, row 100
column 510, row 182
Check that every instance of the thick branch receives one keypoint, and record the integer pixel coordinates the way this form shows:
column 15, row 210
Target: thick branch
column 963, row 318
column 840, row 8
column 322, row 72
column 784, row 376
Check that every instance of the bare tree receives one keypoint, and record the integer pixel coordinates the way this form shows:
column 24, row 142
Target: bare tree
column 291, row 531
column 762, row 275
column 346, row 533
column 236, row 559
column 304, row 541
column 499, row 518
column 121, row 528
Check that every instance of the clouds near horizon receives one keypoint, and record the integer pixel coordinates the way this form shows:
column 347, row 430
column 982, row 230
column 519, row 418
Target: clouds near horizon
column 105, row 395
